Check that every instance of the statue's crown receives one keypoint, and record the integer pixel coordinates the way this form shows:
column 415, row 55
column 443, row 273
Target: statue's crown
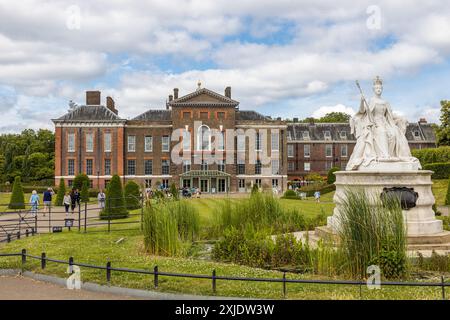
column 377, row 80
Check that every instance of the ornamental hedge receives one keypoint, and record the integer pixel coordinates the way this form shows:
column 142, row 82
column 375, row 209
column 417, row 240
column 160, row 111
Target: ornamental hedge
column 432, row 155
column 440, row 170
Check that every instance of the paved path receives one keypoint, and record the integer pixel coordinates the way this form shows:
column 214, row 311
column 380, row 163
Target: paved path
column 22, row 288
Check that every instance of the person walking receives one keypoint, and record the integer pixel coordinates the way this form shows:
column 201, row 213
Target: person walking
column 48, row 200
column 34, row 201
column 67, row 202
column 73, row 200
column 101, row 197
column 317, row 196
column 77, row 197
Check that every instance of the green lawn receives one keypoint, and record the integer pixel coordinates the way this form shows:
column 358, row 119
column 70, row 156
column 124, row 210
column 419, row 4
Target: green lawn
column 439, row 189
column 98, row 248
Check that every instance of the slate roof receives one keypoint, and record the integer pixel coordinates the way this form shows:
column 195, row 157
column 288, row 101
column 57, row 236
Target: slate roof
column 155, row 115
column 90, row 113
column 341, row 132
column 250, row 115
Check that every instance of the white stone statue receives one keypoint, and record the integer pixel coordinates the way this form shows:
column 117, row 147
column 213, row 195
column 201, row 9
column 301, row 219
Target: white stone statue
column 380, row 136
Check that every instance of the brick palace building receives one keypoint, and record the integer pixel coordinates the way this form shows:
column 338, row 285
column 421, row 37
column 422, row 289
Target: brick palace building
column 93, row 139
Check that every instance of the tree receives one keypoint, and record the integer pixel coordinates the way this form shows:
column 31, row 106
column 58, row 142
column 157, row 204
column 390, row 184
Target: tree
column 84, row 194
column 17, row 197
column 61, row 193
column 115, row 207
column 174, row 192
column 331, row 178
column 132, row 195
column 79, row 181
column 447, row 196
column 336, row 117
column 443, row 131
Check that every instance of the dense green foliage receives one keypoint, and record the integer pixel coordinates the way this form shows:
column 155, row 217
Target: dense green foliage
column 29, row 154
column 170, row 228
column 331, row 178
column 115, row 207
column 132, row 195
column 290, row 194
column 443, row 130
column 17, row 197
column 432, row 155
column 331, row 117
column 61, row 192
column 79, row 180
column 84, row 194
column 441, row 170
column 447, row 195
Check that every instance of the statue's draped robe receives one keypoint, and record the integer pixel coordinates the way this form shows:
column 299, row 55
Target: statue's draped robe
column 380, row 136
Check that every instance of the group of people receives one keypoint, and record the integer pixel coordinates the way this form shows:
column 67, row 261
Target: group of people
column 70, row 201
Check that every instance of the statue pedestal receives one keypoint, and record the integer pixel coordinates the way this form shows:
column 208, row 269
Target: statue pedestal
column 424, row 231
column 420, row 220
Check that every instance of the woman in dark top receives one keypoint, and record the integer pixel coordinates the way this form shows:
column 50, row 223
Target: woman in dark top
column 73, row 200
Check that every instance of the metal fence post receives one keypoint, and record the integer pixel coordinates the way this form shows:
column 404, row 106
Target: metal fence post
column 79, row 220
column 18, row 235
column 443, row 287
column 214, row 281
column 8, row 237
column 284, row 284
column 142, row 211
column 108, row 272
column 85, row 216
column 49, row 218
column 155, row 279
column 35, row 223
column 109, row 221
column 27, row 233
column 24, row 259
column 43, row 260
column 71, row 264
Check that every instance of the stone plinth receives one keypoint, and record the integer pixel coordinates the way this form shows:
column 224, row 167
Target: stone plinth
column 420, row 220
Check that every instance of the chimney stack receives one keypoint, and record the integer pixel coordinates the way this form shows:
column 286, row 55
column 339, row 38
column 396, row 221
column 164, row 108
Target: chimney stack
column 295, row 120
column 228, row 92
column 93, row 98
column 111, row 105
column 175, row 93
column 423, row 120
column 170, row 97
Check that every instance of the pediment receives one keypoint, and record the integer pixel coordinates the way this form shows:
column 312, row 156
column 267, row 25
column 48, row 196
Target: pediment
column 203, row 97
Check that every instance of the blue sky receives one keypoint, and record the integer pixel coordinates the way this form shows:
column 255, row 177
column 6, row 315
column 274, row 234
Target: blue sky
column 281, row 58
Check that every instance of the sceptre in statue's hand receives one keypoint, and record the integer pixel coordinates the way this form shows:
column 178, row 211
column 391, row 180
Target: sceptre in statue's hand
column 363, row 99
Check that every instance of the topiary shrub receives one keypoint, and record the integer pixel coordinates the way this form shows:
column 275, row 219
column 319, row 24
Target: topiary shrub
column 132, row 195
column 174, row 191
column 84, row 194
column 61, row 192
column 17, row 200
column 79, row 181
column 115, row 207
column 290, row 194
column 441, row 170
column 331, row 178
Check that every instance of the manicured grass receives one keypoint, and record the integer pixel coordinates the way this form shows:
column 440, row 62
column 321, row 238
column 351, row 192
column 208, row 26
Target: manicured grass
column 98, row 248
column 439, row 189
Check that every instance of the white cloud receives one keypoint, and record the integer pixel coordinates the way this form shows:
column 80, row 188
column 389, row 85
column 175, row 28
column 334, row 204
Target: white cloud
column 321, row 111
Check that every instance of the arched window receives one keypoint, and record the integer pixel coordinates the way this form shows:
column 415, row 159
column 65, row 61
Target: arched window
column 204, row 138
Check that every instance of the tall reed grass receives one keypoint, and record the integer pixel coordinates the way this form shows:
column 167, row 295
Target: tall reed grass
column 372, row 232
column 170, row 228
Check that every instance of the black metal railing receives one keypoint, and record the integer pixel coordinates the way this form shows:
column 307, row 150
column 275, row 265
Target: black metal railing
column 213, row 277
column 28, row 221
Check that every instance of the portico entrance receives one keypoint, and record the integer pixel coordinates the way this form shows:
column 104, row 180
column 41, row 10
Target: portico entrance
column 209, row 181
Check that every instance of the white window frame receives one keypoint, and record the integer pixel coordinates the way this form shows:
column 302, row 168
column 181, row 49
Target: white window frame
column 186, row 140
column 71, row 172
column 107, row 142
column 89, row 142
column 275, row 166
column 343, row 134
column 305, row 135
column 148, row 144
column 329, row 147
column 290, row 150
column 258, row 141
column 344, row 147
column 71, row 142
column 275, row 141
column 307, row 166
column 305, row 148
column 131, row 143
column 200, row 138
column 241, row 142
column 165, row 144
